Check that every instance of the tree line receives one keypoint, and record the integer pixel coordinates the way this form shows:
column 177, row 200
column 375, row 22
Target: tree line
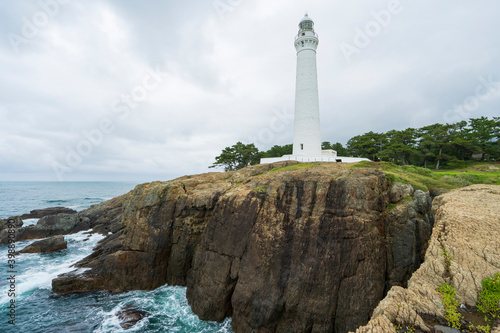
column 435, row 146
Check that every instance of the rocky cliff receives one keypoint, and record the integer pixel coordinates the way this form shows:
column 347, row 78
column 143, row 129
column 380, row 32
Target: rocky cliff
column 467, row 226
column 279, row 248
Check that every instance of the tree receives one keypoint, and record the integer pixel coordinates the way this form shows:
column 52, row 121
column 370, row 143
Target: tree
column 433, row 140
column 427, row 144
column 278, row 151
column 237, row 157
column 367, row 145
column 460, row 140
column 482, row 131
column 496, row 146
column 400, row 146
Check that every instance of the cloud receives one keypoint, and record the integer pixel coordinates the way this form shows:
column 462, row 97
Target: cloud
column 224, row 78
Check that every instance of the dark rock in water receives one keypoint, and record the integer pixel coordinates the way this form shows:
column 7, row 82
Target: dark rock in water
column 39, row 213
column 130, row 316
column 18, row 222
column 288, row 251
column 51, row 244
column 102, row 218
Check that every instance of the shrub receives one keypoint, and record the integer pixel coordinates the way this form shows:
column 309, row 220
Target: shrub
column 490, row 296
column 450, row 304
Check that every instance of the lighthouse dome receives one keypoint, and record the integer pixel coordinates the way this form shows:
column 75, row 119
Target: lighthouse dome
column 306, row 23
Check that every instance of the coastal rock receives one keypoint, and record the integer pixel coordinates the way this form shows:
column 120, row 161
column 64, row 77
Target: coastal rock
column 467, row 225
column 400, row 191
column 103, row 218
column 39, row 213
column 130, row 316
column 18, row 222
column 408, row 229
column 291, row 249
column 51, row 244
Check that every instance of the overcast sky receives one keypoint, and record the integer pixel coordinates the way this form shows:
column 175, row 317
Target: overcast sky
column 152, row 90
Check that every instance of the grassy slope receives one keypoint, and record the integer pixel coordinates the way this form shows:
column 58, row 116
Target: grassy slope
column 426, row 179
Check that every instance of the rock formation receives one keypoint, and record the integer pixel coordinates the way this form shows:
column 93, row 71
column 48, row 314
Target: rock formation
column 130, row 316
column 39, row 213
column 51, row 244
column 467, row 225
column 102, row 218
column 277, row 249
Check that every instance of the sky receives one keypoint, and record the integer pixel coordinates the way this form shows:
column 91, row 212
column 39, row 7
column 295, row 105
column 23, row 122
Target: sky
column 123, row 90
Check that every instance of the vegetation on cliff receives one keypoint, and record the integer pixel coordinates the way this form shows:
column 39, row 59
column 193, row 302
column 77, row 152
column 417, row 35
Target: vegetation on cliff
column 489, row 298
column 436, row 146
column 450, row 304
column 430, row 180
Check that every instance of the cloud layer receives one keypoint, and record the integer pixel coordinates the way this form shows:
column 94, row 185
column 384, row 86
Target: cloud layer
column 122, row 90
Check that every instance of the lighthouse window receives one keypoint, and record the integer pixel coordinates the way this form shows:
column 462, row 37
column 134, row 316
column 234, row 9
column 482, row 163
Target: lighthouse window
column 301, row 146
column 303, row 34
column 306, row 25
column 302, row 43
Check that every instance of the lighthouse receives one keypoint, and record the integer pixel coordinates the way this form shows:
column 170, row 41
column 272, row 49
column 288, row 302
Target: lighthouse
column 306, row 131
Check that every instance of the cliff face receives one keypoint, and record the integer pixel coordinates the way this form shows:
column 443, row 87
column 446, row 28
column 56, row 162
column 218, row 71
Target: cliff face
column 310, row 250
column 468, row 227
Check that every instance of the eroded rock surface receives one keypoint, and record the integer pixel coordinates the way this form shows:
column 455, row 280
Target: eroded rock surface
column 305, row 250
column 467, row 225
column 409, row 227
column 52, row 244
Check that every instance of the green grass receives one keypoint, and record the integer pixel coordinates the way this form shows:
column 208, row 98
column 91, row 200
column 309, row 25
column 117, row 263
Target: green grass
column 260, row 189
column 427, row 179
column 391, row 206
column 450, row 304
column 294, row 167
column 489, row 297
column 473, row 173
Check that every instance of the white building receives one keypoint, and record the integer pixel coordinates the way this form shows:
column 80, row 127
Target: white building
column 306, row 132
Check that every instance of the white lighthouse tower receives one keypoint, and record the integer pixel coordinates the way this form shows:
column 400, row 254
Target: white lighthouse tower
column 306, row 132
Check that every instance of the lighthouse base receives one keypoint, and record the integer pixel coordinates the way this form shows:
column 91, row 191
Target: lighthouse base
column 327, row 156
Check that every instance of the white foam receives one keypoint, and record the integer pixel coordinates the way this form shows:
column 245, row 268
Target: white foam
column 37, row 270
column 111, row 322
column 28, row 222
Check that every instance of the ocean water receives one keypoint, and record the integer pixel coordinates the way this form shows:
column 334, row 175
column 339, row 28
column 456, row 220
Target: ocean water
column 39, row 310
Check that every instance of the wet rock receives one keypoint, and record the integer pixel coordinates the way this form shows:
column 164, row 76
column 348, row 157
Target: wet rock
column 51, row 244
column 39, row 213
column 103, row 218
column 130, row 316
column 18, row 222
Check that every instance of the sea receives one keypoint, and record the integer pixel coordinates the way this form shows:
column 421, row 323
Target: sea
column 38, row 309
